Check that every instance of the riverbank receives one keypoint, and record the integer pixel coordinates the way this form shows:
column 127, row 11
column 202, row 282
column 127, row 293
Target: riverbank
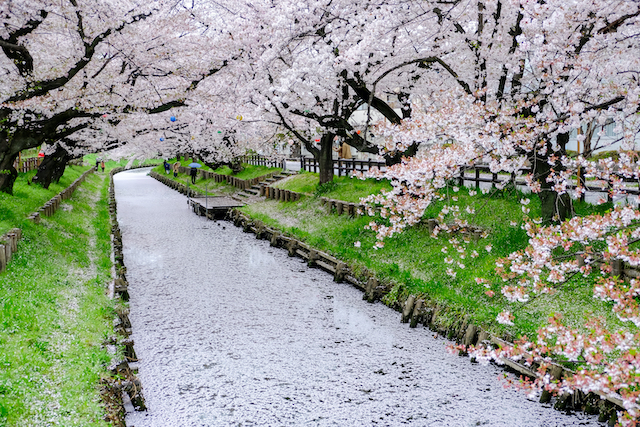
column 413, row 268
column 232, row 331
column 56, row 319
column 416, row 263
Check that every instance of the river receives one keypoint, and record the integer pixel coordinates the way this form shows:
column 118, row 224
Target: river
column 232, row 332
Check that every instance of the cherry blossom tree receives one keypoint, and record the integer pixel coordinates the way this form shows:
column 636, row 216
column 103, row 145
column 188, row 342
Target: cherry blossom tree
column 525, row 75
column 92, row 74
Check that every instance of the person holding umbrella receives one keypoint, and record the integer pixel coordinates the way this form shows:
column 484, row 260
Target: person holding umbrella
column 194, row 171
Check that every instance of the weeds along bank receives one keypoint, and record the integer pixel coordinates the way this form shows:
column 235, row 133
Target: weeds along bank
column 56, row 318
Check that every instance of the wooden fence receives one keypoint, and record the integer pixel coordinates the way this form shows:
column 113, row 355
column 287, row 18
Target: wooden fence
column 258, row 160
column 475, row 175
column 26, row 165
column 342, row 166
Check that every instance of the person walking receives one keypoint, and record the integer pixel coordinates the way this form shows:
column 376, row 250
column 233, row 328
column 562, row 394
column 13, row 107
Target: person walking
column 102, row 165
column 194, row 173
column 176, row 167
column 345, row 151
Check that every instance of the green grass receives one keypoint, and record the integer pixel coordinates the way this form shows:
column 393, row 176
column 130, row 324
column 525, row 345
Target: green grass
column 54, row 314
column 342, row 188
column 248, row 172
column 415, row 260
column 203, row 185
column 27, row 199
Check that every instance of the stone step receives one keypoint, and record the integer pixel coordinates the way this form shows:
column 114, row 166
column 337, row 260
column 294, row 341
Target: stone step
column 251, row 191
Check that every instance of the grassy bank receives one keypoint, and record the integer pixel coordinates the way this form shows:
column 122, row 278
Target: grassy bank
column 211, row 187
column 415, row 261
column 54, row 311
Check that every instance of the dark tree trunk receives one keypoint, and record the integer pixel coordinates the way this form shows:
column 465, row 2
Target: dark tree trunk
column 397, row 156
column 296, row 150
column 555, row 208
column 8, row 174
column 52, row 167
column 325, row 158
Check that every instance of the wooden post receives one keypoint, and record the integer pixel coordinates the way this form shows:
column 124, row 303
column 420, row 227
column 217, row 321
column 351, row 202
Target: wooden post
column 556, row 373
column 616, row 268
column 470, row 335
column 415, row 316
column 370, row 288
column 13, row 238
column 3, row 259
column 7, row 252
column 341, row 269
column 408, row 308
